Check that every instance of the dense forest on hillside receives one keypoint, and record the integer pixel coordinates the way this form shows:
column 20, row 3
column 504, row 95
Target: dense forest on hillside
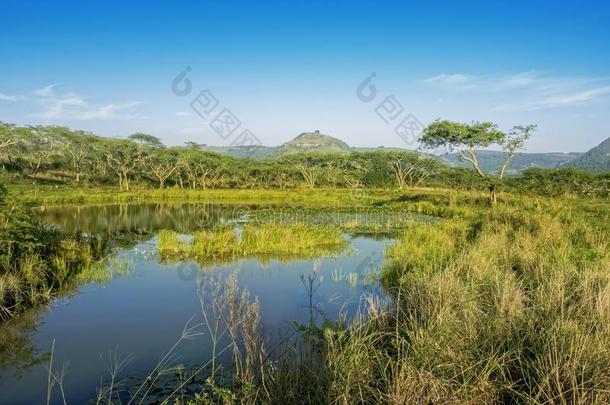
column 58, row 155
column 595, row 160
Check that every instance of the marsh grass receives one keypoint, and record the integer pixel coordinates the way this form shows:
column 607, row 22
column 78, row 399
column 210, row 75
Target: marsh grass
column 509, row 304
column 33, row 279
column 225, row 243
column 503, row 305
column 48, row 195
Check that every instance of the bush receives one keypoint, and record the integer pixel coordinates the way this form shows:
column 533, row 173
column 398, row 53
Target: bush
column 35, row 260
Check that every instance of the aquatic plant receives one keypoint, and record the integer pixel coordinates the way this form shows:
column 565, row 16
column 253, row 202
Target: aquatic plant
column 263, row 241
column 490, row 306
column 35, row 260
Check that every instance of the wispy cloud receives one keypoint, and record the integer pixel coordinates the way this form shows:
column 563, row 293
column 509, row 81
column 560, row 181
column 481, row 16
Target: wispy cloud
column 46, row 91
column 454, row 80
column 519, row 80
column 184, row 114
column 572, row 99
column 73, row 106
column 56, row 107
column 108, row 111
column 461, row 81
column 6, row 97
column 527, row 91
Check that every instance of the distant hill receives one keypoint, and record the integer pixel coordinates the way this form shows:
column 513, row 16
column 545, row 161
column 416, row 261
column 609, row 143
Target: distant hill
column 259, row 152
column 304, row 142
column 491, row 161
column 595, row 160
column 313, row 142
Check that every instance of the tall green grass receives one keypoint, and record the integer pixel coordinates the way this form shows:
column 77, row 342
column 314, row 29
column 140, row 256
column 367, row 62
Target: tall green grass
column 34, row 278
column 511, row 305
column 224, row 243
column 36, row 261
column 502, row 305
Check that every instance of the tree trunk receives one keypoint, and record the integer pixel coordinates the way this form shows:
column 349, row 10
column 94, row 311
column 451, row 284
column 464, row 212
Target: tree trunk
column 493, row 195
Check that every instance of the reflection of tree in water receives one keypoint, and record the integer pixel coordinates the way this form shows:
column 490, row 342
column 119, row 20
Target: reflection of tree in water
column 16, row 347
column 138, row 218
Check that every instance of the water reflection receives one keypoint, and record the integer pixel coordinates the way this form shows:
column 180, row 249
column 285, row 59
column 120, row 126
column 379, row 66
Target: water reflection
column 139, row 218
column 17, row 350
column 142, row 312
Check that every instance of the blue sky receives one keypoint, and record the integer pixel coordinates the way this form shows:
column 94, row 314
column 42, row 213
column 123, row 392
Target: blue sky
column 287, row 67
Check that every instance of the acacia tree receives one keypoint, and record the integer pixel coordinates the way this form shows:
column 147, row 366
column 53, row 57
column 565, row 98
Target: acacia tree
column 8, row 135
column 37, row 148
column 78, row 147
column 163, row 163
column 410, row 169
column 513, row 142
column 11, row 142
column 146, row 140
column 123, row 157
column 309, row 167
column 199, row 166
column 468, row 138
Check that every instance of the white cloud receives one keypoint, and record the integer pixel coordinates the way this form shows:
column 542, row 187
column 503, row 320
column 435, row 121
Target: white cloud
column 55, row 107
column 6, row 97
column 527, row 91
column 520, row 79
column 107, row 111
column 461, row 81
column 577, row 98
column 184, row 114
column 46, row 91
column 72, row 106
column 455, row 80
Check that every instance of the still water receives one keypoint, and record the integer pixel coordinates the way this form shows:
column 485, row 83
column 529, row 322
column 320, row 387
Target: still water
column 141, row 311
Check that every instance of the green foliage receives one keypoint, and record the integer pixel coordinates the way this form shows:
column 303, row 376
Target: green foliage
column 563, row 181
column 491, row 161
column 508, row 305
column 456, row 135
column 34, row 260
column 145, row 139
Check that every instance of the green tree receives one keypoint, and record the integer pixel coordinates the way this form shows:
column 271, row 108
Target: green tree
column 309, row 165
column 8, row 135
column 77, row 146
column 468, row 138
column 163, row 163
column 146, row 139
column 123, row 157
column 410, row 169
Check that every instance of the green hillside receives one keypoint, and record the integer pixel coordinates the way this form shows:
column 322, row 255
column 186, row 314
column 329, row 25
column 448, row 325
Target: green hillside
column 595, row 160
column 491, row 161
column 305, row 142
column 313, row 142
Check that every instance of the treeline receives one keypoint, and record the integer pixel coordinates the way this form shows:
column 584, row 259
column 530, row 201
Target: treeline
column 58, row 155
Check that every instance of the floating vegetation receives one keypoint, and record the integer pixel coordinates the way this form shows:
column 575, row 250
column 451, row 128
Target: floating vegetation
column 353, row 220
column 263, row 241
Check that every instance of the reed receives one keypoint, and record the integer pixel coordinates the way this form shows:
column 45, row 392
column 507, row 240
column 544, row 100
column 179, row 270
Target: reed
column 503, row 305
column 262, row 241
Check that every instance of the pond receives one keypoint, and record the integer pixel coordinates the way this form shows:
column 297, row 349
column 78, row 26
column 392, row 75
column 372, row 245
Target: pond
column 140, row 311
